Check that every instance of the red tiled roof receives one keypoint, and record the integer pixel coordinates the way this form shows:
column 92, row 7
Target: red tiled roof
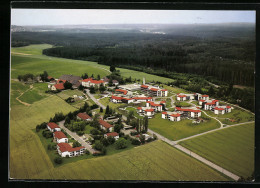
column 164, row 90
column 164, row 112
column 112, row 134
column 139, row 108
column 175, row 115
column 127, row 98
column 228, row 106
column 204, row 95
column 66, row 147
column 215, row 101
column 59, row 135
column 153, row 104
column 219, row 108
column 181, row 96
column 202, row 100
column 93, row 81
column 144, row 86
column 61, row 81
column 115, row 97
column 149, row 110
column 187, row 109
column 53, row 125
column 105, row 124
column 59, row 86
column 142, row 98
column 163, row 102
column 154, row 89
column 122, row 91
column 84, row 116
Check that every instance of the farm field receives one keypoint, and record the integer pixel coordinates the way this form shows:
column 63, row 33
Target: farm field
column 156, row 161
column 232, row 148
column 237, row 114
column 27, row 154
column 69, row 93
column 17, row 88
column 181, row 129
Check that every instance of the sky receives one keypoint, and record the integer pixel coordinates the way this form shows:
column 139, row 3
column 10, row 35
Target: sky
column 25, row 17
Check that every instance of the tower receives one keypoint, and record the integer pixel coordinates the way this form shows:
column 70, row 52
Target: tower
column 143, row 81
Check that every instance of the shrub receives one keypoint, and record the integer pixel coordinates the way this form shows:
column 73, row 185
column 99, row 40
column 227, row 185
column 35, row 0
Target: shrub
column 149, row 139
column 49, row 147
column 103, row 151
column 47, row 134
column 154, row 136
column 98, row 145
column 76, row 144
column 87, row 152
column 126, row 137
column 111, row 140
column 104, row 141
column 94, row 131
column 58, row 160
column 80, row 133
column 135, row 142
column 121, row 143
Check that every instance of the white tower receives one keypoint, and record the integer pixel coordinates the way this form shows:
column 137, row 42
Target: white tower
column 143, row 81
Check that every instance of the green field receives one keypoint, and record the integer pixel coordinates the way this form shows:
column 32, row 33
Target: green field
column 237, row 114
column 156, row 161
column 175, row 89
column 231, row 148
column 69, row 93
column 17, row 88
column 181, row 129
column 106, row 101
column 182, row 104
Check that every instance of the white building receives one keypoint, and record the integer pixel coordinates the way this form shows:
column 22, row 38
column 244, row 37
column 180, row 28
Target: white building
column 90, row 82
column 191, row 112
column 157, row 106
column 105, row 125
column 184, row 97
column 53, row 127
column 172, row 116
column 60, row 137
column 222, row 109
column 64, row 150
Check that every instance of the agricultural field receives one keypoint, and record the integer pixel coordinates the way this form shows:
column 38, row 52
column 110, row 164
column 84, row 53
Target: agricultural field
column 156, row 161
column 181, row 129
column 27, row 154
column 236, row 114
column 231, row 148
column 17, row 88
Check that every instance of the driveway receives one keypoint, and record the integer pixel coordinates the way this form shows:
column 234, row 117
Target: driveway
column 94, row 99
column 77, row 138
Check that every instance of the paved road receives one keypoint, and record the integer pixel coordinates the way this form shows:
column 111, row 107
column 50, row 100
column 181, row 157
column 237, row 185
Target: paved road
column 76, row 137
column 94, row 99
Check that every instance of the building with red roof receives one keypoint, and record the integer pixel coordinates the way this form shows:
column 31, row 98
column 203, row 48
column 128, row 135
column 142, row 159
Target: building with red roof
column 105, row 125
column 222, row 109
column 53, row 127
column 121, row 91
column 191, row 112
column 84, row 116
column 59, row 86
column 64, row 150
column 113, row 134
column 210, row 104
column 91, row 82
column 156, row 106
column 154, row 91
column 172, row 116
column 60, row 137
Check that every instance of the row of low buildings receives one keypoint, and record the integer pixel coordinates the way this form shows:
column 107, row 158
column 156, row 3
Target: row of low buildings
column 76, row 81
column 191, row 112
column 64, row 148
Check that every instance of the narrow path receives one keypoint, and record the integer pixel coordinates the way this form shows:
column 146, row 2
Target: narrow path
column 221, row 124
column 77, row 138
column 24, row 103
column 216, row 86
column 94, row 99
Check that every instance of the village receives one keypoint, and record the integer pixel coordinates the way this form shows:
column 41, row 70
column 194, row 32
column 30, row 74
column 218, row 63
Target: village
column 114, row 127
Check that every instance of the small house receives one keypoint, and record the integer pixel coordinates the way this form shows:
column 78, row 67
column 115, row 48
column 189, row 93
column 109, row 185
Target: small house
column 53, row 127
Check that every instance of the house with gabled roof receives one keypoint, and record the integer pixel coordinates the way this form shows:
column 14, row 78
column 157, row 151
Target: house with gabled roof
column 91, row 82
column 191, row 112
column 121, row 91
column 84, row 116
column 222, row 109
column 53, row 127
column 64, row 150
column 59, row 86
column 157, row 106
column 105, row 125
column 113, row 134
column 172, row 116
column 60, row 137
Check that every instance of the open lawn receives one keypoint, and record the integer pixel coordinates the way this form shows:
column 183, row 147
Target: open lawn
column 69, row 93
column 231, row 148
column 128, row 109
column 237, row 114
column 182, row 104
column 168, row 101
column 175, row 89
column 156, row 161
column 106, row 101
column 177, row 130
column 35, row 94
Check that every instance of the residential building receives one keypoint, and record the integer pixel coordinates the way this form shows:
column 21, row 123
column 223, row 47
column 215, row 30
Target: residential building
column 84, row 116
column 113, row 134
column 191, row 112
column 222, row 109
column 210, row 104
column 53, row 127
column 157, row 106
column 74, row 80
column 64, row 150
column 172, row 116
column 60, row 137
column 90, row 82
column 184, row 97
column 154, row 91
column 59, row 86
column 121, row 91
column 105, row 125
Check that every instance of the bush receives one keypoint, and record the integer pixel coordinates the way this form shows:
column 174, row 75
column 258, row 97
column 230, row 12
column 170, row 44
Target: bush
column 103, row 151
column 111, row 140
column 94, row 131
column 58, row 160
column 76, row 144
column 87, row 152
column 133, row 133
column 135, row 142
column 104, row 141
column 98, row 145
column 47, row 134
column 126, row 137
column 80, row 133
column 149, row 139
column 121, row 143
column 49, row 147
column 38, row 128
column 154, row 136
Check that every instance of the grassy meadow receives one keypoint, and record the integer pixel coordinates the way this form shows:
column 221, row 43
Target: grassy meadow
column 174, row 130
column 156, row 161
column 232, row 148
